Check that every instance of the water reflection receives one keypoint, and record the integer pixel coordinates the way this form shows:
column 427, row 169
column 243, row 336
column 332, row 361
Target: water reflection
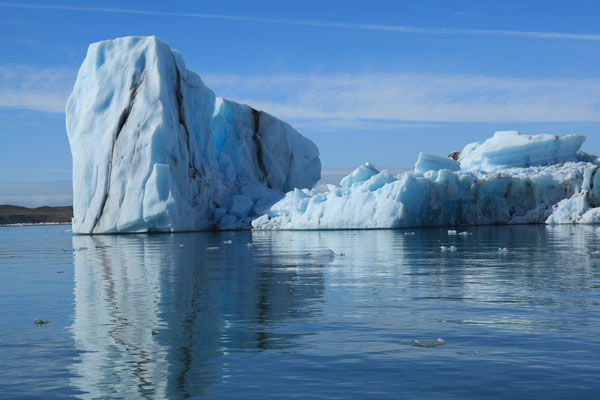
column 334, row 312
column 153, row 312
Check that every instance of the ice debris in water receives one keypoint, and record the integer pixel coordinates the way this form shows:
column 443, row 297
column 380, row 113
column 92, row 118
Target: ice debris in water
column 502, row 250
column 213, row 248
column 464, row 233
column 40, row 322
column 451, row 232
column 451, row 249
column 227, row 242
column 409, row 233
column 430, row 162
column 435, row 343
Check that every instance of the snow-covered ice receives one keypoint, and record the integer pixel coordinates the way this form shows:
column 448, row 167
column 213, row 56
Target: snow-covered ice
column 154, row 149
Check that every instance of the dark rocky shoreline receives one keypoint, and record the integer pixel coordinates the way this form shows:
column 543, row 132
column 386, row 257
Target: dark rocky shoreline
column 23, row 215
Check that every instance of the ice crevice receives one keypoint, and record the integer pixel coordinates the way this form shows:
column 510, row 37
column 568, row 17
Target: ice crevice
column 122, row 121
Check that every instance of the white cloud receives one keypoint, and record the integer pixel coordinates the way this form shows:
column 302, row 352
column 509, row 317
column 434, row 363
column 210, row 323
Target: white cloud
column 322, row 24
column 41, row 89
column 380, row 99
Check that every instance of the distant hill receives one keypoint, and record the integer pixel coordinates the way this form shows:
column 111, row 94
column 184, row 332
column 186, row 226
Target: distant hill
column 24, row 215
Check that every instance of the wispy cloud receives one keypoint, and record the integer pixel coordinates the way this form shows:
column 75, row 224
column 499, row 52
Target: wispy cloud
column 358, row 101
column 321, row 24
column 397, row 98
column 41, row 89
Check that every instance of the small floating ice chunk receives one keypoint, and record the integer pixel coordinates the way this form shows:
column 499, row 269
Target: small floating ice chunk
column 324, row 254
column 227, row 242
column 451, row 249
column 251, row 244
column 435, row 343
column 409, row 233
column 502, row 250
column 181, row 245
column 451, row 232
column 464, row 233
column 40, row 322
column 595, row 253
column 213, row 248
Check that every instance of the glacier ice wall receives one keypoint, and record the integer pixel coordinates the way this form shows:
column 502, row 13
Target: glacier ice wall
column 151, row 153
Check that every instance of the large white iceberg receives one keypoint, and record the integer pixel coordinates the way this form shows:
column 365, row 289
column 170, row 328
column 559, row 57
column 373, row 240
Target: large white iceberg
column 151, row 152
column 509, row 179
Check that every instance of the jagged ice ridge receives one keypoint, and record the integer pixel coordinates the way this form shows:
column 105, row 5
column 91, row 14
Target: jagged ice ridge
column 508, row 179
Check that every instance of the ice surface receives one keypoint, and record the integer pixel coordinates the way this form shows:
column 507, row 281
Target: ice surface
column 430, row 162
column 257, row 146
column 512, row 149
column 154, row 150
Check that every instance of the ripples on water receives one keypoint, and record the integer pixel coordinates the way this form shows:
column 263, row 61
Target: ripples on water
column 275, row 314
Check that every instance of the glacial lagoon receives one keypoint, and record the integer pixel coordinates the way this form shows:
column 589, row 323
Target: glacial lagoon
column 303, row 314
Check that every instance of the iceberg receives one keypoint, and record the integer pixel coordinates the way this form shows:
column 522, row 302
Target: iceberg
column 511, row 149
column 155, row 150
column 508, row 179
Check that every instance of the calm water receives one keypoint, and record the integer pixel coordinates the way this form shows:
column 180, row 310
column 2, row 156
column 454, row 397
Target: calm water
column 275, row 315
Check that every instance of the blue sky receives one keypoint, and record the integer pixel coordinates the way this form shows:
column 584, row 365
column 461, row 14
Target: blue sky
column 371, row 81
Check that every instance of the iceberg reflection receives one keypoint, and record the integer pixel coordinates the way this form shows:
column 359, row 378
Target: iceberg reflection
column 153, row 312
